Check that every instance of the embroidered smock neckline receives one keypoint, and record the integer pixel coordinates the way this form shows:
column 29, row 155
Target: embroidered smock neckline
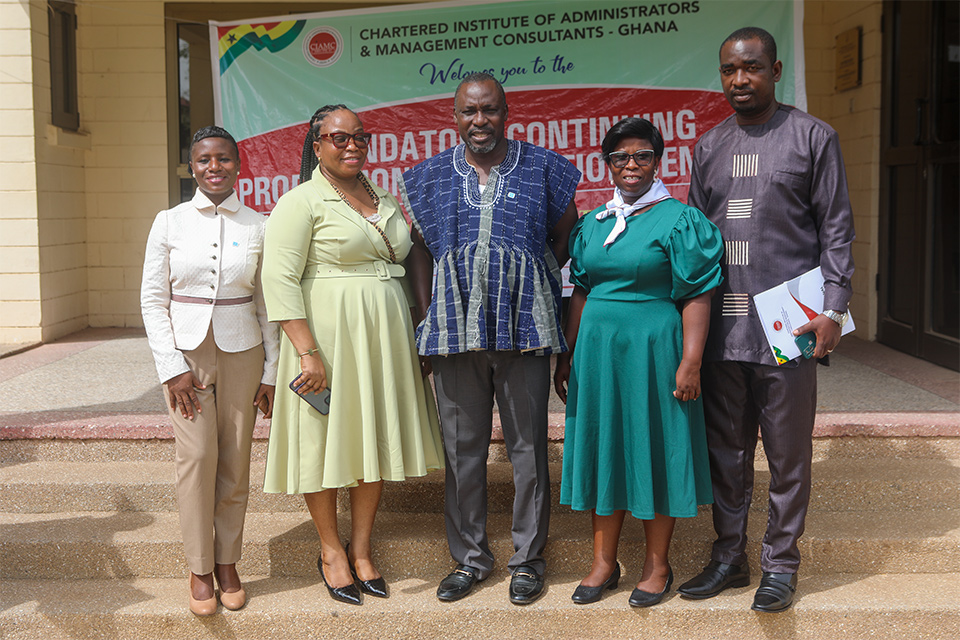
column 471, row 182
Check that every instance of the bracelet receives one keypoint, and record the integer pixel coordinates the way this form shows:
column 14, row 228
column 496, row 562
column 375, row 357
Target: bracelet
column 309, row 352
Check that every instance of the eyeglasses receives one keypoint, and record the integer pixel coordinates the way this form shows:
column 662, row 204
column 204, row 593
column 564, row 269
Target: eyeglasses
column 620, row 159
column 340, row 139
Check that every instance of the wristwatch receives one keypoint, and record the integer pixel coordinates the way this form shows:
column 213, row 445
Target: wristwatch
column 836, row 316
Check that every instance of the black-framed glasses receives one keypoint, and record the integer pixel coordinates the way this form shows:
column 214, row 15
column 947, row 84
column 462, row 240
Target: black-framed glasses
column 620, row 159
column 341, row 139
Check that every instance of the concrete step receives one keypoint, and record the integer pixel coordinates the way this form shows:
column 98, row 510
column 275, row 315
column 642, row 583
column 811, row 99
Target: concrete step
column 834, row 607
column 18, row 451
column 92, row 449
column 839, row 484
column 90, row 545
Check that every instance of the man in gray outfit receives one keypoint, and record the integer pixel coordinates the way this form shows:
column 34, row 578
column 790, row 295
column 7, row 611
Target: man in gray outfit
column 771, row 177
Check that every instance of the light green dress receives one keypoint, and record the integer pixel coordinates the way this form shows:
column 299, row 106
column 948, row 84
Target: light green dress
column 383, row 419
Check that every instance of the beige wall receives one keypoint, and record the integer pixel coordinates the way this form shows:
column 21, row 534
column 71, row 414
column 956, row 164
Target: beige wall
column 19, row 234
column 855, row 114
column 43, row 276
column 75, row 209
column 123, row 106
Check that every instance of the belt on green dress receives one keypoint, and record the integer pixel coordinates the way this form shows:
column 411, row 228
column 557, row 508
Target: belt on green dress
column 380, row 269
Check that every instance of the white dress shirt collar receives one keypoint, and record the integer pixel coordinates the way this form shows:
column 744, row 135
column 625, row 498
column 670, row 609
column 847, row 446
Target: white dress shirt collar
column 203, row 204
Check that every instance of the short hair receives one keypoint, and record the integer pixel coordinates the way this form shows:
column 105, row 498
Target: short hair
column 755, row 33
column 213, row 131
column 475, row 78
column 632, row 128
column 308, row 160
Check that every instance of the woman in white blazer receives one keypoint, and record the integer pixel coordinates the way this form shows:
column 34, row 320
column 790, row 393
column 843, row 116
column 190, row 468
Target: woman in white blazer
column 216, row 355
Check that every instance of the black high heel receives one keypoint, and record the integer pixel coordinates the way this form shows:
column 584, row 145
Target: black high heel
column 376, row 587
column 646, row 599
column 586, row 595
column 349, row 594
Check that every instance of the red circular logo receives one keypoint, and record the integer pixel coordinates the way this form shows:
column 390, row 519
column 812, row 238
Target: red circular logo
column 777, row 325
column 322, row 46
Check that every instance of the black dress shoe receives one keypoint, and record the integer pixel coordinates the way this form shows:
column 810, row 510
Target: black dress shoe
column 376, row 587
column 586, row 595
column 646, row 599
column 349, row 594
column 775, row 592
column 457, row 584
column 714, row 578
column 526, row 585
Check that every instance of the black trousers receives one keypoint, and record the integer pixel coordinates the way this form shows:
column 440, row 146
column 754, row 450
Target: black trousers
column 743, row 399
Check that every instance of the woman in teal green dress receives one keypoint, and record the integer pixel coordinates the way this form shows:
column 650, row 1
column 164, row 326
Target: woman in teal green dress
column 644, row 267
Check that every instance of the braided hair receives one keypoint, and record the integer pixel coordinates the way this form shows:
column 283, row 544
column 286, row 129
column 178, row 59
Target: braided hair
column 308, row 161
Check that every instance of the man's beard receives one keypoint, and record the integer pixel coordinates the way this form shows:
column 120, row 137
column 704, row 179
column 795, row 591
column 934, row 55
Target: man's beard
column 487, row 148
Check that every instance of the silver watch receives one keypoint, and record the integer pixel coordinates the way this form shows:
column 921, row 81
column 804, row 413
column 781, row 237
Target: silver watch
column 836, row 316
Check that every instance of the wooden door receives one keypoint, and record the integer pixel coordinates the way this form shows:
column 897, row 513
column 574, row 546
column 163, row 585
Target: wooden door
column 919, row 287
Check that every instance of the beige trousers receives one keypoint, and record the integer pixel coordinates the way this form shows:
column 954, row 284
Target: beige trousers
column 213, row 453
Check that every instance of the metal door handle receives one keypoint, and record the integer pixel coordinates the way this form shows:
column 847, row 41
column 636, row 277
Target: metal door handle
column 918, row 138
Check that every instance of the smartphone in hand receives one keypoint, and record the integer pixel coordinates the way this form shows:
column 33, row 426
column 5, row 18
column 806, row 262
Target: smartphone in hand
column 807, row 343
column 318, row 400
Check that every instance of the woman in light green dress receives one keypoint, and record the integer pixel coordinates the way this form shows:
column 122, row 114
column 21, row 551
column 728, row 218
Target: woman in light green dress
column 333, row 279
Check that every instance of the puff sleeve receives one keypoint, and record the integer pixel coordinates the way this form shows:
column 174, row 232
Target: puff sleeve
column 578, row 276
column 695, row 249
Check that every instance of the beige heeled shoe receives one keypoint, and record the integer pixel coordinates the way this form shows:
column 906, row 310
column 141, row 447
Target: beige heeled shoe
column 234, row 600
column 206, row 607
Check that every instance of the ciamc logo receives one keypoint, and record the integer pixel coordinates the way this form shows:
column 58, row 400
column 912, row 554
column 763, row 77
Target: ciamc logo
column 322, row 46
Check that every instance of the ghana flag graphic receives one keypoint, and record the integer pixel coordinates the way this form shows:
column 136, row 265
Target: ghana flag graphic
column 272, row 36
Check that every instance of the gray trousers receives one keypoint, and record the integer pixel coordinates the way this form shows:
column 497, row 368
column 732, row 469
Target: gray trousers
column 739, row 397
column 466, row 384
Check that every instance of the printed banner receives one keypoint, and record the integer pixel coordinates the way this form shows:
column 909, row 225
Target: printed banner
column 570, row 69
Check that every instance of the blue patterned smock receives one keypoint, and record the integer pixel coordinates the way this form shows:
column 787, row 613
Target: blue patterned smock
column 498, row 282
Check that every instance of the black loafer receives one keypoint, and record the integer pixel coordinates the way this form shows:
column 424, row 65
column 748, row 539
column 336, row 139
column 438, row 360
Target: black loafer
column 646, row 599
column 526, row 585
column 457, row 584
column 349, row 594
column 586, row 595
column 714, row 578
column 376, row 587
column 775, row 592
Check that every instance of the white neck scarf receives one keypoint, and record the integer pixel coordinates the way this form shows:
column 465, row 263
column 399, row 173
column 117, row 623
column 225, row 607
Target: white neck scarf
column 617, row 207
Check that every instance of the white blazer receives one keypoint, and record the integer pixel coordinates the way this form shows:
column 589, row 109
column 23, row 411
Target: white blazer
column 206, row 251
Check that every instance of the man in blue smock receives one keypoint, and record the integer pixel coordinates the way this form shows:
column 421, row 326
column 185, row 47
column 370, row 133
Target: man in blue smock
column 493, row 216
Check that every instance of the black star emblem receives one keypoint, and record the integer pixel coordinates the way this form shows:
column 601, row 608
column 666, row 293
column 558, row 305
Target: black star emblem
column 231, row 38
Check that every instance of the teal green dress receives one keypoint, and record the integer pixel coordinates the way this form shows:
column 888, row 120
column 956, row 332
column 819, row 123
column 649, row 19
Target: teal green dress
column 628, row 443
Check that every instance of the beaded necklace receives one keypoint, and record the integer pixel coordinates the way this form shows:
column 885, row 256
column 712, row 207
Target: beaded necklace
column 372, row 219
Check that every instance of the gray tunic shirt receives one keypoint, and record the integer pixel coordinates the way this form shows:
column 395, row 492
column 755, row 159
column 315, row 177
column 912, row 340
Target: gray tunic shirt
column 778, row 193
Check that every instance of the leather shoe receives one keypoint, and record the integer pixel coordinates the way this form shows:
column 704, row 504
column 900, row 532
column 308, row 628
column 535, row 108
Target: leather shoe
column 458, row 584
column 376, row 587
column 349, row 594
column 585, row 595
column 526, row 585
column 206, row 607
column 646, row 599
column 775, row 592
column 714, row 578
column 232, row 600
